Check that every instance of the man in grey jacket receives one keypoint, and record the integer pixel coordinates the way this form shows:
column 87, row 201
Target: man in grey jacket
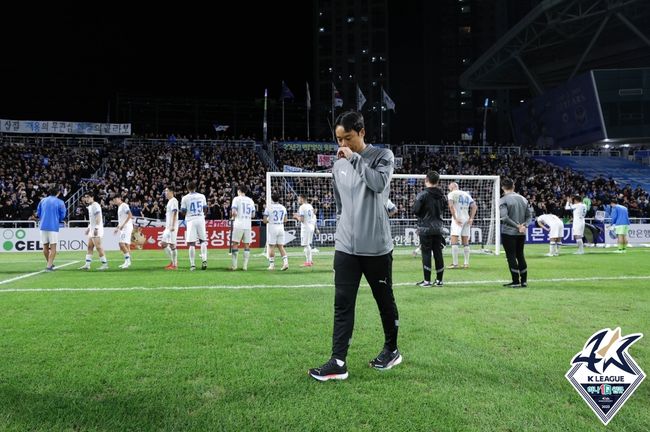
column 516, row 215
column 363, row 244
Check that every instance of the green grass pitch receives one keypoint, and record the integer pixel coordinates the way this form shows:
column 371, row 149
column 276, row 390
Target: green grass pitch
column 144, row 349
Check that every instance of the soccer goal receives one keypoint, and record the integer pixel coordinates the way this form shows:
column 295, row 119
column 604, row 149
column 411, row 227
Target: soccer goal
column 484, row 237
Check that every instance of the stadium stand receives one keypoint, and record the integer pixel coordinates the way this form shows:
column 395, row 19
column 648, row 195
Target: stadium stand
column 622, row 170
column 139, row 170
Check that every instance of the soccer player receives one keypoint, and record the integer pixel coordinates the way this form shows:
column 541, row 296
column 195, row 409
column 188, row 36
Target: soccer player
column 463, row 209
column 428, row 207
column 170, row 233
column 243, row 209
column 125, row 229
column 515, row 214
column 51, row 212
column 579, row 213
column 307, row 219
column 275, row 215
column 620, row 222
column 555, row 228
column 194, row 206
column 95, row 232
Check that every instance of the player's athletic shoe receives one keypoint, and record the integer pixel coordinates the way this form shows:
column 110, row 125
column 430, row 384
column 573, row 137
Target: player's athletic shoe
column 424, row 284
column 328, row 371
column 386, row 359
column 512, row 285
column 204, row 265
column 103, row 267
column 170, row 266
column 285, row 267
column 437, row 283
column 452, row 266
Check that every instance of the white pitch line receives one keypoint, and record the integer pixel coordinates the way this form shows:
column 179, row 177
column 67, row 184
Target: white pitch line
column 242, row 287
column 34, row 273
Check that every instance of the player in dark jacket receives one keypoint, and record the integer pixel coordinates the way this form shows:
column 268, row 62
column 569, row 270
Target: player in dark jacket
column 428, row 207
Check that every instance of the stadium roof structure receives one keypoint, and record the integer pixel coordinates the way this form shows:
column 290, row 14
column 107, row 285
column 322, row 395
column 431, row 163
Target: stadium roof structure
column 561, row 38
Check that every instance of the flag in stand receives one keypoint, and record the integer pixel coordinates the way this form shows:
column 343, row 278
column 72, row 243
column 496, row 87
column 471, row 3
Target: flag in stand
column 390, row 105
column 286, row 93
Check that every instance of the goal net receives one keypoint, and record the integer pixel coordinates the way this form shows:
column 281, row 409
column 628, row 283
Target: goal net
column 317, row 187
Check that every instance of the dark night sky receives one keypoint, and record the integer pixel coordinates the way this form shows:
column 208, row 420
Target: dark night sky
column 81, row 59
column 74, row 61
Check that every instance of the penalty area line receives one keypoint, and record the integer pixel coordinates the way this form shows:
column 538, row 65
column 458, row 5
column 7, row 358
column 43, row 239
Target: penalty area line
column 265, row 286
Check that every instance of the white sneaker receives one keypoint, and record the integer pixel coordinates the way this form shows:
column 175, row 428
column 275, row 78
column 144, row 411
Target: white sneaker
column 579, row 253
column 103, row 267
column 271, row 267
column 85, row 267
column 126, row 265
column 549, row 254
column 285, row 267
column 245, row 268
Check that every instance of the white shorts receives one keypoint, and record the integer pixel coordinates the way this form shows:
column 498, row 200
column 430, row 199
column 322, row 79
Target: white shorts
column 169, row 237
column 275, row 234
column 557, row 230
column 49, row 237
column 100, row 233
column 458, row 230
column 241, row 235
column 195, row 231
column 578, row 229
column 306, row 235
column 125, row 234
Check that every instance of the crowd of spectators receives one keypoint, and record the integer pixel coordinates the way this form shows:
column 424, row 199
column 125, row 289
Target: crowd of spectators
column 139, row 174
column 26, row 168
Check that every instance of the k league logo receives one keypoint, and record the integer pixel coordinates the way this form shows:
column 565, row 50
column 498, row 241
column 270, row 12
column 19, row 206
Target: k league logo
column 604, row 373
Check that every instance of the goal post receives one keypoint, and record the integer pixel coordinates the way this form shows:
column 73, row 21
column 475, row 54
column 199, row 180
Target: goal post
column 484, row 189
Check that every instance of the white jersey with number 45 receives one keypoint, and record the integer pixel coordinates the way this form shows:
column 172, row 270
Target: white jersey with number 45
column 192, row 204
column 461, row 201
column 245, row 208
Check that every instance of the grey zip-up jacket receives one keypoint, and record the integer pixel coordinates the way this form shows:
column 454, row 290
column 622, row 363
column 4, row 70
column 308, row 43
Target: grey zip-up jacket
column 514, row 210
column 361, row 188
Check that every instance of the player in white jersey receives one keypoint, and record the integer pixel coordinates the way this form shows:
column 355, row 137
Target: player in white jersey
column 555, row 228
column 307, row 218
column 463, row 209
column 242, row 211
column 95, row 232
column 194, row 205
column 124, row 229
column 275, row 215
column 579, row 213
column 168, row 241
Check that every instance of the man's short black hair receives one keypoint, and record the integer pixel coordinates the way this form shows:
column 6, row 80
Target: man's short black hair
column 243, row 189
column 433, row 177
column 170, row 188
column 275, row 197
column 507, row 183
column 191, row 185
column 577, row 197
column 350, row 121
column 52, row 190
